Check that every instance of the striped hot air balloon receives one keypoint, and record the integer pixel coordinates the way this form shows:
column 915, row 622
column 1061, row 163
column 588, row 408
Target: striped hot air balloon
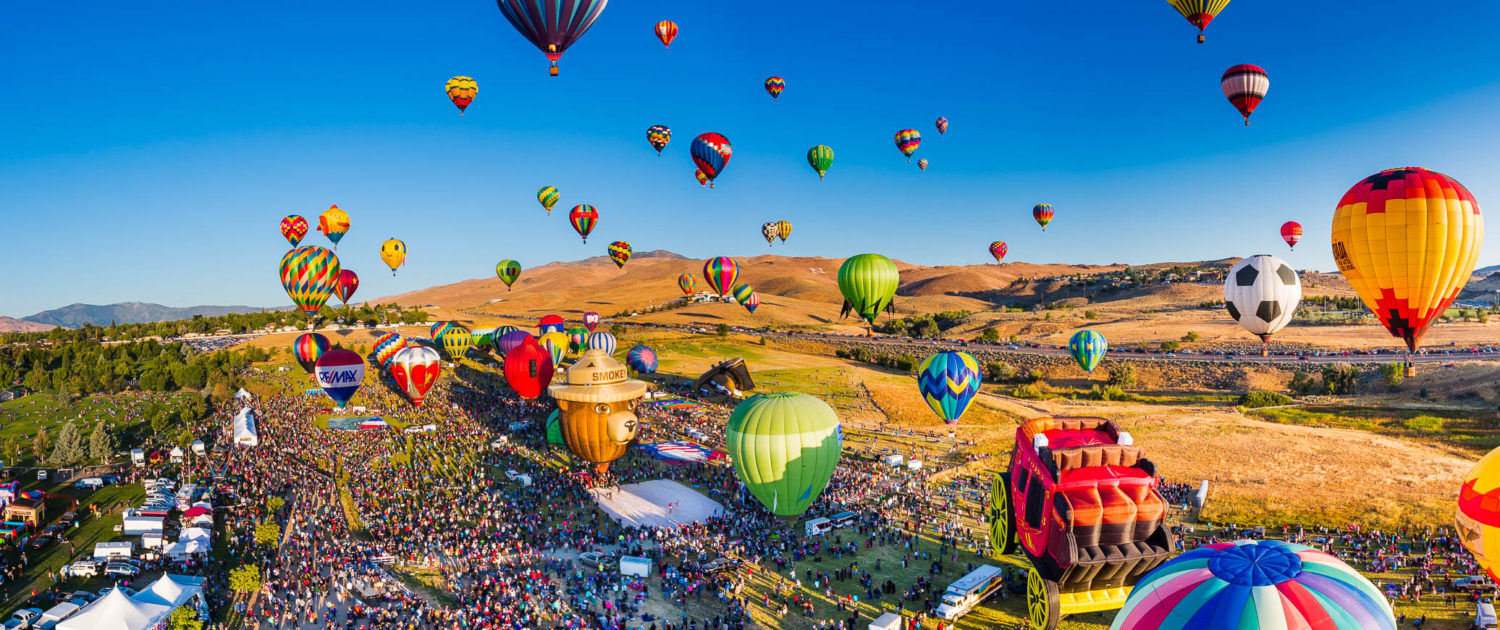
column 820, row 158
column 583, row 217
column 548, row 197
column 666, row 31
column 948, row 382
column 309, row 274
column 508, row 341
column 578, row 339
column 942, row 125
column 307, row 348
column 1042, row 212
column 907, row 141
column 742, row 292
column 751, row 303
column 462, row 90
column 783, row 229
column 1245, row 85
column 1199, row 12
column 720, row 273
column 602, row 340
column 774, row 86
column 687, row 283
column 711, row 153
column 1291, row 232
column 591, row 320
column 552, row 25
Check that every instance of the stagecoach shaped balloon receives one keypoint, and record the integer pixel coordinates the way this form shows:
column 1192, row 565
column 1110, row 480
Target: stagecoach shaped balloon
column 597, row 408
column 415, row 370
column 340, row 372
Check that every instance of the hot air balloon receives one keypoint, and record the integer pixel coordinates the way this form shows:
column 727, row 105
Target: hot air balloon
column 551, row 323
column 1407, row 240
column 820, row 158
column 528, row 369
column 907, row 141
column 742, row 293
column 783, row 229
column 666, row 31
column 333, row 223
column 687, row 283
column 868, row 282
column 348, row 282
column 619, row 252
column 554, row 430
column 1254, row 584
column 583, row 217
column 922, row 164
column 720, row 273
column 548, row 196
column 998, row 249
column 711, row 154
column 1261, row 294
column 1244, row 85
column 508, row 271
column 1087, row 348
column 1479, row 512
column 784, row 447
column 393, row 253
column 948, row 382
column 1291, row 232
column 590, row 321
column 293, row 228
column 602, row 340
column 942, row 126
column 307, row 348
column 386, row 347
column 415, row 370
column 702, row 179
column 340, row 372
column 642, row 359
column 774, row 86
column 578, row 339
column 751, row 303
column 461, row 90
column 556, row 345
column 456, row 341
column 554, row 25
column 768, row 231
column 658, row 136
column 309, row 275
column 1199, row 12
column 510, row 339
column 1042, row 212
column 597, row 408
column 437, row 329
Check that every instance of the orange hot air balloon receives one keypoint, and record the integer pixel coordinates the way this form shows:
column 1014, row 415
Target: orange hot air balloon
column 666, row 31
column 1407, row 240
column 461, row 90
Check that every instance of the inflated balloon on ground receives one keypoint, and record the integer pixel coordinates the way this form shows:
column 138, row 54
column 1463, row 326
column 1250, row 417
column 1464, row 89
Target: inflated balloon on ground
column 785, row 447
column 415, row 370
column 597, row 404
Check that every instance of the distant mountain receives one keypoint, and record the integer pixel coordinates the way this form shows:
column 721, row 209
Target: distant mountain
column 76, row 315
column 8, row 324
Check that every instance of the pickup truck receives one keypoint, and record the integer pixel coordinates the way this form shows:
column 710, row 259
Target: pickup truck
column 23, row 619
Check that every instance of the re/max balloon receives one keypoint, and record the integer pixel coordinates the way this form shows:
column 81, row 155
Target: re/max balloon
column 340, row 372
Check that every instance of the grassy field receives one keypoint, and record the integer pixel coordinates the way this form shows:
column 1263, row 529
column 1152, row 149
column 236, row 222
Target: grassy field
column 93, row 529
column 128, row 413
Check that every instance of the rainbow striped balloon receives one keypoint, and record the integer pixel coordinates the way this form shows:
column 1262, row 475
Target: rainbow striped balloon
column 948, row 381
column 386, row 347
column 907, row 141
column 309, row 274
column 1255, row 584
column 720, row 273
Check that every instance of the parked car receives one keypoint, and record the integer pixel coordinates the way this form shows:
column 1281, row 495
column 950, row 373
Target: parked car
column 23, row 619
column 68, row 519
column 39, row 542
column 121, row 569
column 84, row 596
column 82, row 568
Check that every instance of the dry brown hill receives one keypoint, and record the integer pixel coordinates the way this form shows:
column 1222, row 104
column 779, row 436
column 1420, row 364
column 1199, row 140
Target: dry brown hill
column 10, row 324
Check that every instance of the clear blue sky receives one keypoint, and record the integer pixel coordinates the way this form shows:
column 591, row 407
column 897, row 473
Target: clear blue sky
column 148, row 150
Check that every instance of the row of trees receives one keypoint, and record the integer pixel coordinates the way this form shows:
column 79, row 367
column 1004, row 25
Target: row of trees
column 86, row 367
column 923, row 326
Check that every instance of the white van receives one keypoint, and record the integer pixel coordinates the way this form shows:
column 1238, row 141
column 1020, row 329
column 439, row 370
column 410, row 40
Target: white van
column 818, row 526
column 1484, row 616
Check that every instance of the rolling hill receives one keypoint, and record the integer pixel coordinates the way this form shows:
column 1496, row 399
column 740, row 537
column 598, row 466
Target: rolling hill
column 75, row 315
column 10, row 324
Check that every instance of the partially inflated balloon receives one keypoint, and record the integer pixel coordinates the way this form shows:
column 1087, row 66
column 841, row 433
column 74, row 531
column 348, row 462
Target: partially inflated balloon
column 751, row 303
column 742, row 293
column 510, row 340
column 820, row 158
column 1291, row 232
column 998, row 249
column 1199, row 12
column 508, row 271
column 551, row 323
column 666, row 31
column 948, row 381
column 642, row 359
column 687, row 283
column 348, row 282
column 868, row 283
column 783, row 229
column 711, row 153
column 552, row 26
column 768, row 231
column 309, row 275
column 658, row 136
column 393, row 253
column 590, row 321
column 307, row 348
column 774, row 86
column 942, row 125
column 293, row 228
column 720, row 273
column 602, row 340
column 583, row 217
column 457, row 341
column 619, row 252
column 922, row 164
column 548, row 196
column 578, row 339
column 528, row 369
column 785, row 447
column 333, row 223
column 461, row 90
column 340, row 372
column 415, row 370
column 554, row 430
column 386, row 347
column 1245, row 85
column 907, row 141
column 1087, row 348
column 1042, row 212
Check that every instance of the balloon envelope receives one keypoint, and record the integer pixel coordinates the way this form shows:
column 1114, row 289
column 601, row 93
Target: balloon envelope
column 1291, row 232
column 583, row 217
column 784, row 447
column 642, row 359
column 687, row 283
column 510, row 340
column 309, row 275
column 619, row 252
column 551, row 323
column 666, row 31
column 307, row 348
column 340, row 372
column 393, row 254
column 820, row 158
column 456, row 341
column 907, row 141
column 1087, row 348
column 552, row 26
column 386, row 347
column 998, row 249
column 548, row 196
column 591, row 320
column 1478, row 515
column 508, row 270
column 461, row 90
column 293, row 228
column 333, row 223
column 348, row 282
column 720, row 273
column 602, row 340
column 948, row 382
column 868, row 283
column 658, row 136
column 1042, row 212
column 1245, row 85
column 1261, row 294
column 711, row 153
column 415, row 370
column 528, row 370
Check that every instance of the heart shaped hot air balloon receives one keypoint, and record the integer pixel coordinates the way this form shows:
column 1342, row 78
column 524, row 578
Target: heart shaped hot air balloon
column 348, row 282
column 415, row 370
column 711, row 153
column 528, row 369
column 340, row 372
column 309, row 274
column 720, row 273
column 583, row 217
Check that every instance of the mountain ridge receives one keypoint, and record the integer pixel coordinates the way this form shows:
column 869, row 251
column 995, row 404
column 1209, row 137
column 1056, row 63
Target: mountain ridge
column 78, row 314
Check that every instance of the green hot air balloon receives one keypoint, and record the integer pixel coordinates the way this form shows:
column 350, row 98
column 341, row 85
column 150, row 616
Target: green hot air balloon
column 868, row 282
column 1087, row 348
column 820, row 158
column 554, row 430
column 508, row 270
column 784, row 447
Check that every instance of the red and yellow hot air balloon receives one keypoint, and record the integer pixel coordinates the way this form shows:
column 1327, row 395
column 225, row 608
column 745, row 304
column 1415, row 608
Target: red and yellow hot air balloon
column 461, row 90
column 309, row 274
column 1199, row 12
column 687, row 282
column 1291, row 232
column 619, row 252
column 774, row 86
column 666, row 31
column 1245, row 85
column 702, row 179
column 1478, row 516
column 293, row 228
column 583, row 217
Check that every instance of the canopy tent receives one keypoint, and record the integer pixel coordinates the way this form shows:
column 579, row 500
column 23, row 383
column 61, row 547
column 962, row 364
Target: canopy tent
column 245, row 432
column 193, row 540
column 176, row 590
column 117, row 611
column 357, row 423
column 243, row 395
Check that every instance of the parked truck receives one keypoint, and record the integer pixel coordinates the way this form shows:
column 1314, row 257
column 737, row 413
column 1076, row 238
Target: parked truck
column 966, row 593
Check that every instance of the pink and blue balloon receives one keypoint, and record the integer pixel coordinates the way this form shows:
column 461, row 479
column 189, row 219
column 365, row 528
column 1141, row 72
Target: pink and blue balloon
column 642, row 359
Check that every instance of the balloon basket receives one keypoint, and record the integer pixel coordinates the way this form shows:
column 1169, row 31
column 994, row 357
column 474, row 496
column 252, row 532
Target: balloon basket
column 1411, row 370
column 552, row 71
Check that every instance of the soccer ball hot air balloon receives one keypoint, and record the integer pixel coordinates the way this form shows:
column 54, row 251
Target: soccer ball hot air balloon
column 1255, row 584
column 720, row 273
column 307, row 348
column 1088, row 348
column 583, row 217
column 590, row 321
column 1042, row 212
column 1407, row 240
column 597, row 408
column 658, row 136
column 907, row 141
column 774, row 86
column 548, row 196
column 948, row 382
column 393, row 254
column 1291, row 232
column 340, row 372
column 687, row 283
column 666, row 31
column 348, row 282
column 309, row 274
column 1479, row 512
column 711, row 153
column 508, row 271
column 552, row 26
column 456, row 341
column 868, row 283
column 386, row 347
column 998, row 249
column 942, row 126
column 784, row 447
column 922, row 164
column 602, row 340
column 820, row 158
column 1199, row 12
column 1261, row 294
column 1245, row 85
column 578, row 339
column 619, row 252
column 461, row 90
column 702, row 179
column 551, row 323
column 293, row 228
column 528, row 369
column 642, row 359
column 334, row 224
column 415, row 370
column 783, row 229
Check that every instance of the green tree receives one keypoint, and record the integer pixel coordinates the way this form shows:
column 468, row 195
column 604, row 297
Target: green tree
column 1302, row 383
column 617, row 329
column 1394, row 373
column 41, row 442
column 1091, row 314
column 989, row 335
column 160, row 422
column 267, row 533
column 1191, row 337
column 68, row 450
column 274, row 504
column 245, row 578
column 722, row 330
column 184, row 618
column 1340, row 378
column 102, row 444
column 1170, row 346
column 1122, row 376
column 999, row 372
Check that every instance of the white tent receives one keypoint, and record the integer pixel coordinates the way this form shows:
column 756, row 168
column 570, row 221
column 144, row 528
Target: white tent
column 193, row 540
column 243, row 395
column 172, row 590
column 117, row 611
column 245, row 433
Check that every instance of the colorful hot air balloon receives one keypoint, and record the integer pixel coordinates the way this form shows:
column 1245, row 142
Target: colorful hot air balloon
column 820, row 158
column 348, row 282
column 552, row 25
column 702, row 179
column 461, row 90
column 548, row 196
column 907, row 141
column 948, row 382
column 583, row 217
column 720, row 273
column 556, row 345
column 751, row 303
column 510, row 339
column 1042, row 212
column 1199, row 12
column 602, row 340
column 1261, row 294
column 1252, row 585
column 437, row 329
column 307, row 348
column 774, row 86
column 591, row 321
column 922, row 164
column 1407, row 239
column 578, row 339
column 293, row 228
column 998, row 249
column 1291, row 232
column 687, row 283
column 666, row 31
column 658, row 136
column 456, row 342
column 619, row 252
column 386, row 347
column 309, row 275
column 1479, row 512
column 742, row 293
column 942, row 126
column 333, row 223
column 528, row 369
column 768, row 231
column 1087, row 348
column 642, row 359
column 1245, row 85
column 393, row 253
column 554, row 430
column 597, row 408
column 868, row 282
column 415, row 370
column 784, row 447
column 508, row 271
column 711, row 153
column 783, row 229
column 340, row 372
column 551, row 323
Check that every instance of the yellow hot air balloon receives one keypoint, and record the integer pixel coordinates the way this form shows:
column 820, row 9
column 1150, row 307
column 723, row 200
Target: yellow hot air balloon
column 461, row 90
column 393, row 252
column 783, row 229
column 333, row 223
column 1407, row 240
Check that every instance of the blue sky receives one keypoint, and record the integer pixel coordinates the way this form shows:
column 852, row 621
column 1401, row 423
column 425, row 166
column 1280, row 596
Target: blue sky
column 149, row 150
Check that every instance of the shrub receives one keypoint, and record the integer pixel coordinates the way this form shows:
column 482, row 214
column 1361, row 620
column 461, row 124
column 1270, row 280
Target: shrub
column 1260, row 398
column 1122, row 375
column 1170, row 346
column 245, row 579
column 1108, row 392
column 1302, row 384
column 841, row 353
column 1340, row 378
column 905, row 363
column 1091, row 314
column 999, row 372
column 1031, row 391
column 1035, row 376
column 1191, row 337
column 1394, row 373
column 989, row 335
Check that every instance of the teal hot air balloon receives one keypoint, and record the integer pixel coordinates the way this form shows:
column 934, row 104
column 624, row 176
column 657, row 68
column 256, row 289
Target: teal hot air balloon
column 1087, row 348
column 554, row 430
column 784, row 447
column 868, row 282
column 948, row 381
